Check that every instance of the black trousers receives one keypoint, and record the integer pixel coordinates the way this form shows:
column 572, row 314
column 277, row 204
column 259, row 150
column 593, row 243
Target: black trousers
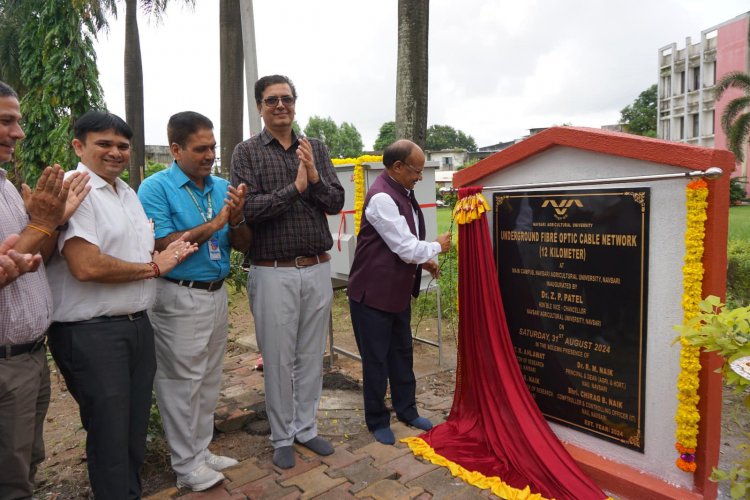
column 385, row 345
column 109, row 369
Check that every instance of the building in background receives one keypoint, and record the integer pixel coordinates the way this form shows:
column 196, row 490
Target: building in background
column 687, row 110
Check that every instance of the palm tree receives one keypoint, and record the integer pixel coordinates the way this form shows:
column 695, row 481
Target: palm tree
column 735, row 120
column 411, row 72
column 231, row 80
column 134, row 80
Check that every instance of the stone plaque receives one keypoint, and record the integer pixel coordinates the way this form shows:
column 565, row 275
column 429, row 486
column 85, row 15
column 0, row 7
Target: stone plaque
column 573, row 272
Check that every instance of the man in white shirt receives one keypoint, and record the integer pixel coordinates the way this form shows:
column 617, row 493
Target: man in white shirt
column 101, row 337
column 386, row 272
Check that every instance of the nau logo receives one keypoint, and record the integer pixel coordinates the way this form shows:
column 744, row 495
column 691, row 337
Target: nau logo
column 561, row 207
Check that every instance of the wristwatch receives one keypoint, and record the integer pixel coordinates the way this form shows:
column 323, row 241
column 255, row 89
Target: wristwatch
column 235, row 226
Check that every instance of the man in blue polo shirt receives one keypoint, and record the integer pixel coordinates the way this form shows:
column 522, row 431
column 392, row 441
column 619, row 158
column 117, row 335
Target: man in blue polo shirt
column 190, row 314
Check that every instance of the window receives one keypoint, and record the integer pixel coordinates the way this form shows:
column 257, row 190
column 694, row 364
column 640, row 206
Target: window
column 682, row 82
column 666, row 86
column 680, row 128
column 448, row 162
column 696, row 78
column 665, row 130
column 695, row 129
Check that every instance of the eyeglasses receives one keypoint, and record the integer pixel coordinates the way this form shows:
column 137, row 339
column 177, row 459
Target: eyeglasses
column 413, row 169
column 273, row 101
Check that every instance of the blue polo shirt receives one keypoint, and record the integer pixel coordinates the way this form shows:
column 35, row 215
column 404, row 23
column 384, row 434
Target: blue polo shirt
column 170, row 207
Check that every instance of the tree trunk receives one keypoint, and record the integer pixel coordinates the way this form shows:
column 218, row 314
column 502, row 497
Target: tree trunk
column 251, row 63
column 411, row 72
column 134, row 93
column 231, row 81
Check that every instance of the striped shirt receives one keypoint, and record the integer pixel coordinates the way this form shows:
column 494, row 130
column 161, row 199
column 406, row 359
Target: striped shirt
column 285, row 223
column 25, row 304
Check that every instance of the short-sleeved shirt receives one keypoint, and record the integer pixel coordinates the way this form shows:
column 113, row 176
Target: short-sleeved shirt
column 171, row 207
column 285, row 223
column 114, row 221
column 25, row 304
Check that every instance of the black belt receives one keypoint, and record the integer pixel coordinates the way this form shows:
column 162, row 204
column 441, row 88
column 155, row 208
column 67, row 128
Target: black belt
column 102, row 319
column 10, row 350
column 211, row 286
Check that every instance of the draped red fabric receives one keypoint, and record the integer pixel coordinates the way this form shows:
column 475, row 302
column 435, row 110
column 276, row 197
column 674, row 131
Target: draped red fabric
column 494, row 426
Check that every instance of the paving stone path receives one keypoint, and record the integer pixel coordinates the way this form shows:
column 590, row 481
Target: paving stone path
column 360, row 468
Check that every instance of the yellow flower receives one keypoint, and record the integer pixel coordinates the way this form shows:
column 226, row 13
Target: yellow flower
column 687, row 416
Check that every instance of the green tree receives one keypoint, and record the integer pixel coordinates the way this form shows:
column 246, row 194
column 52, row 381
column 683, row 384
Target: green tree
column 446, row 137
column 386, row 136
column 411, row 70
column 324, row 129
column 58, row 72
column 349, row 142
column 342, row 141
column 640, row 117
column 735, row 120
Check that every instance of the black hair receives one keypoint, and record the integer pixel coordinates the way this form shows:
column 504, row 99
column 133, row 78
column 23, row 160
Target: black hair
column 398, row 151
column 7, row 91
column 99, row 121
column 266, row 81
column 182, row 125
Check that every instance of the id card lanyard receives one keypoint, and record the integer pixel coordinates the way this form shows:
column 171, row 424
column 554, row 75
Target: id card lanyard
column 214, row 252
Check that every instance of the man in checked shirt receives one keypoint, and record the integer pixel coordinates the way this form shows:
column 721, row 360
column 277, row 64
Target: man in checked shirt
column 28, row 232
column 291, row 187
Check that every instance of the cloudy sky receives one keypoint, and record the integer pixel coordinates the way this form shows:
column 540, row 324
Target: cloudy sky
column 497, row 67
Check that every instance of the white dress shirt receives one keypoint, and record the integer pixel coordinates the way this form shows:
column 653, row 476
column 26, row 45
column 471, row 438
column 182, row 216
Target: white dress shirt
column 384, row 216
column 115, row 222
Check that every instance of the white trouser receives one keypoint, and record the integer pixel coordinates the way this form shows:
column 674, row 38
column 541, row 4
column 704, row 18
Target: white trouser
column 190, row 330
column 292, row 310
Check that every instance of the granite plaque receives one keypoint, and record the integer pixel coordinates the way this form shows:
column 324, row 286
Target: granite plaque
column 573, row 272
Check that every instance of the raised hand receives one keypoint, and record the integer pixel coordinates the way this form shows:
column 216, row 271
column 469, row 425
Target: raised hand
column 235, row 200
column 46, row 204
column 79, row 189
column 306, row 157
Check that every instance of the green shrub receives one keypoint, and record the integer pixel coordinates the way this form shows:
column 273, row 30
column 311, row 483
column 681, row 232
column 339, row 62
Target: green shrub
column 737, row 191
column 738, row 273
column 725, row 331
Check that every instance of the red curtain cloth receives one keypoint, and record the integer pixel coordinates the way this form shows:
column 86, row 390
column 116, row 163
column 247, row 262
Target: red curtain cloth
column 494, row 426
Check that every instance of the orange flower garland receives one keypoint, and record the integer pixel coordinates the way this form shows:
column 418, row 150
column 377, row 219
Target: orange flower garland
column 359, row 182
column 687, row 416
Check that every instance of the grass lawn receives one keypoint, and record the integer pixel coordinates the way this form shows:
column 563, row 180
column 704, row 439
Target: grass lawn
column 444, row 219
column 739, row 223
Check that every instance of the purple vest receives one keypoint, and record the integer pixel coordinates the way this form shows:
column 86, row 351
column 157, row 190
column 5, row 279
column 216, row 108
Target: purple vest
column 378, row 277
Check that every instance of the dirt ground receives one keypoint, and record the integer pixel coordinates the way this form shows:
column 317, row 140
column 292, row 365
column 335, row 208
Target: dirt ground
column 63, row 475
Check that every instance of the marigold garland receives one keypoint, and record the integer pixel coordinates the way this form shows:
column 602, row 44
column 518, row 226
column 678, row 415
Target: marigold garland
column 359, row 182
column 687, row 416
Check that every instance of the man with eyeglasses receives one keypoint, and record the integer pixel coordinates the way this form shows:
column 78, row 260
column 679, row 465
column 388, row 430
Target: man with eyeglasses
column 291, row 186
column 101, row 337
column 386, row 272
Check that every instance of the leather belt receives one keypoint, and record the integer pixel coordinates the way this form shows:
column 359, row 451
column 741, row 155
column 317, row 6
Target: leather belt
column 9, row 350
column 298, row 262
column 211, row 286
column 102, row 319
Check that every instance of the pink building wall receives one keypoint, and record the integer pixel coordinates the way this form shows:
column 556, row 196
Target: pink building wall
column 732, row 54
